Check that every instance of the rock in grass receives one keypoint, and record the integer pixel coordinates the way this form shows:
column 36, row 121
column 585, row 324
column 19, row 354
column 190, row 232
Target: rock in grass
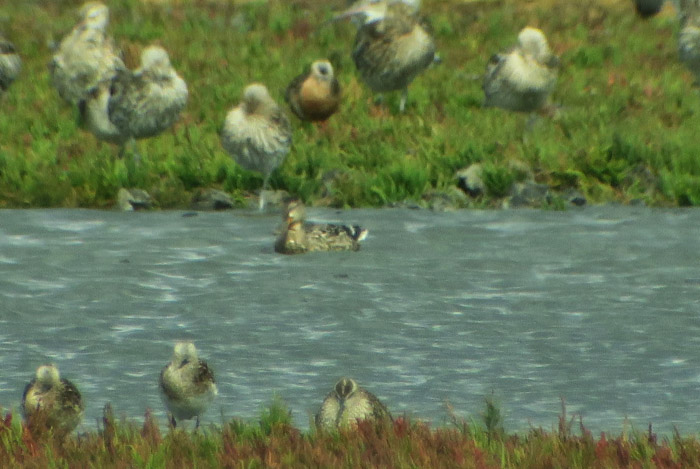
column 522, row 78
column 133, row 199
column 647, row 8
column 211, row 199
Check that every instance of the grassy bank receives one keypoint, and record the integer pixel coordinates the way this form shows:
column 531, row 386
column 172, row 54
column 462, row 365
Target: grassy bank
column 625, row 129
column 272, row 441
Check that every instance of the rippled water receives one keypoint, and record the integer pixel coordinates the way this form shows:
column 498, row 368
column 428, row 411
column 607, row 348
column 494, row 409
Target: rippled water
column 599, row 306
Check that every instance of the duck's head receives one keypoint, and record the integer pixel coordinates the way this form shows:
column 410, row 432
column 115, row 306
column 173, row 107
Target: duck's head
column 94, row 15
column 257, row 100
column 155, row 59
column 345, row 387
column 532, row 41
column 48, row 376
column 322, row 69
column 294, row 212
column 184, row 352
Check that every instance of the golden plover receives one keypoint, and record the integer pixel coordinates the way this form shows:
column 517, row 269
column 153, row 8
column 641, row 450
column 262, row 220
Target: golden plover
column 54, row 398
column 347, row 404
column 187, row 384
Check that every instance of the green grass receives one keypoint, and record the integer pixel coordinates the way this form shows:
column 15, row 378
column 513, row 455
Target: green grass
column 272, row 441
column 626, row 128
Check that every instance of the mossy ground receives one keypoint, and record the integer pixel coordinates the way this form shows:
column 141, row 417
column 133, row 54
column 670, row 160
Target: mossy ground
column 273, row 441
column 625, row 128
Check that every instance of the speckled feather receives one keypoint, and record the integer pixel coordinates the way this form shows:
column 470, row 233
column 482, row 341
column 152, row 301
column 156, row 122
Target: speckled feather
column 86, row 57
column 518, row 81
column 62, row 402
column 300, row 236
column 338, row 410
column 145, row 102
column 391, row 52
column 258, row 139
column 187, row 383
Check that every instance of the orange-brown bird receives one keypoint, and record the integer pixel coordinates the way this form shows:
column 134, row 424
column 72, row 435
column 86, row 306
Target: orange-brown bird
column 315, row 94
column 392, row 46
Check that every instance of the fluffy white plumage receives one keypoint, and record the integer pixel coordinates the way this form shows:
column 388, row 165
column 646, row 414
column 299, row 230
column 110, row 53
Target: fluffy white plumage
column 187, row 383
column 86, row 57
column 257, row 133
column 522, row 78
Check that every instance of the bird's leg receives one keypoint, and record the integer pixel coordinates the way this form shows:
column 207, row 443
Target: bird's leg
column 404, row 96
column 266, row 179
column 196, row 426
column 173, row 423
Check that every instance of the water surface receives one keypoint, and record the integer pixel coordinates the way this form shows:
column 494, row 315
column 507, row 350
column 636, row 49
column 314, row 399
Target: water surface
column 598, row 306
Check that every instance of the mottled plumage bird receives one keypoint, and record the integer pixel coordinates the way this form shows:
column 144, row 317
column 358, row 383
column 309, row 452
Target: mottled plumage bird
column 10, row 64
column 147, row 101
column 689, row 37
column 187, row 384
column 347, row 404
column 392, row 46
column 257, row 133
column 86, row 57
column 522, row 78
column 299, row 236
column 136, row 104
column 315, row 94
column 647, row 8
column 54, row 398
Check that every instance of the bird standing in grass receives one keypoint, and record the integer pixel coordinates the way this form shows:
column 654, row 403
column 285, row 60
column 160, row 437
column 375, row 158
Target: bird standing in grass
column 187, row 384
column 315, row 94
column 10, row 64
column 55, row 399
column 299, row 236
column 347, row 404
column 136, row 104
column 86, row 57
column 392, row 46
column 257, row 133
column 522, row 78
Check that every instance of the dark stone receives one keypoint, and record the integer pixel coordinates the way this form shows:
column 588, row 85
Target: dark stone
column 211, row 199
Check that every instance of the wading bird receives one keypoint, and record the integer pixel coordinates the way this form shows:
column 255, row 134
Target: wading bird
column 347, row 404
column 10, row 64
column 86, row 57
column 299, row 236
column 257, row 133
column 392, row 46
column 315, row 94
column 55, row 399
column 522, row 78
column 187, row 384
